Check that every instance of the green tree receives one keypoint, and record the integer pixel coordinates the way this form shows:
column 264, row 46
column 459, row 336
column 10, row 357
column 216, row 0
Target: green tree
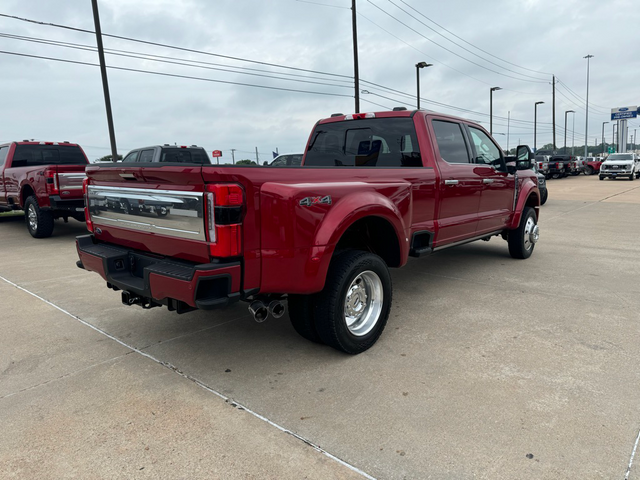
column 246, row 162
column 107, row 158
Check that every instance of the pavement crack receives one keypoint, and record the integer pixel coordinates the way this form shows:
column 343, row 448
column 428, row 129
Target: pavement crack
column 66, row 375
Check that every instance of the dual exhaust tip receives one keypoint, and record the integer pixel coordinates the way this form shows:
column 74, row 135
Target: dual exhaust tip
column 261, row 311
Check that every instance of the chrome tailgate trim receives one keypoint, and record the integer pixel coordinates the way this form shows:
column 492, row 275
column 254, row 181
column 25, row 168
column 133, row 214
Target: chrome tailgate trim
column 166, row 212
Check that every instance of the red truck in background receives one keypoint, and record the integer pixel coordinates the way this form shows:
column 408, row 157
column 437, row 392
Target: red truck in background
column 373, row 190
column 45, row 180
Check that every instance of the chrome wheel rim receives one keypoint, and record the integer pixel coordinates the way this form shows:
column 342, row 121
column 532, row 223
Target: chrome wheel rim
column 363, row 303
column 32, row 217
column 531, row 233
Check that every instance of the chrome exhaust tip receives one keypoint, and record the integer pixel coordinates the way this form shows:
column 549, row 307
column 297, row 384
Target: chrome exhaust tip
column 259, row 311
column 276, row 308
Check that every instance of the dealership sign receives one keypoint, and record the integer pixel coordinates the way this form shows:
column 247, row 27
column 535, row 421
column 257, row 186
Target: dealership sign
column 624, row 112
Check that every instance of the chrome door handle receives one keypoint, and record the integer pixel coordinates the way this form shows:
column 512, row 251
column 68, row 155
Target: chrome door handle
column 451, row 182
column 487, row 180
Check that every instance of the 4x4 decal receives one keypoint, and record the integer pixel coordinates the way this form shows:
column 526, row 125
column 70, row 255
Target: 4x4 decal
column 308, row 201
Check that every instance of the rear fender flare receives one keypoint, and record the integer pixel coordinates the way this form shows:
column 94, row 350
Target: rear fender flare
column 345, row 213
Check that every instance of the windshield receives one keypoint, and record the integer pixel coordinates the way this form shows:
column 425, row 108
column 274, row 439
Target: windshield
column 620, row 156
column 384, row 142
column 30, row 155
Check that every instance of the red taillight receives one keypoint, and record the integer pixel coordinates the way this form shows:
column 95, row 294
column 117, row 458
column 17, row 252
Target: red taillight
column 225, row 234
column 51, row 178
column 87, row 217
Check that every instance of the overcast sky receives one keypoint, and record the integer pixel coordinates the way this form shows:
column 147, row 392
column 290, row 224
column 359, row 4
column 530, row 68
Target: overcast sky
column 520, row 44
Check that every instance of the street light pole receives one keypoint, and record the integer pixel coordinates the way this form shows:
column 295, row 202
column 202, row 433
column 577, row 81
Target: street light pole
column 491, row 90
column 603, row 124
column 418, row 67
column 356, row 74
column 573, row 132
column 565, row 130
column 535, row 124
column 586, row 122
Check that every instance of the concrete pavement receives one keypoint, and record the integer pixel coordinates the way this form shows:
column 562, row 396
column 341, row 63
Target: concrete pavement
column 489, row 367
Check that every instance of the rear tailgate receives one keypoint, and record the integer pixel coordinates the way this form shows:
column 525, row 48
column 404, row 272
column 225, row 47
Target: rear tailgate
column 152, row 209
column 70, row 179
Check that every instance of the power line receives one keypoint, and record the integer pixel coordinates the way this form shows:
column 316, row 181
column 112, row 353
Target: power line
column 457, row 44
column 579, row 97
column 160, row 59
column 174, row 75
column 451, row 51
column 471, row 44
column 157, row 44
column 61, row 43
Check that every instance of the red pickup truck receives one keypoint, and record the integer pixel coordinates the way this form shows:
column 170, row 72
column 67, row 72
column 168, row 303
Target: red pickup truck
column 45, row 180
column 373, row 189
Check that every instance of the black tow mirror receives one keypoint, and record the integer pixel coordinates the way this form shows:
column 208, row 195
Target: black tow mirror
column 524, row 157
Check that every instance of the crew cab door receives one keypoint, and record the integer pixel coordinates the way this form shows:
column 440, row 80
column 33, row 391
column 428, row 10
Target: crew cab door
column 496, row 199
column 3, row 189
column 460, row 185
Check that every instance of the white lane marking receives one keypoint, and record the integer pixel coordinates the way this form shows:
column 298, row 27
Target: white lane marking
column 633, row 454
column 196, row 381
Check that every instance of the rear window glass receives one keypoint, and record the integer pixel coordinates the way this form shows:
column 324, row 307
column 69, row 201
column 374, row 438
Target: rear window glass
column 29, row 155
column 379, row 142
column 184, row 155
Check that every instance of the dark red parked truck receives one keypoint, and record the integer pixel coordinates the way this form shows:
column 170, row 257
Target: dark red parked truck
column 45, row 180
column 373, row 189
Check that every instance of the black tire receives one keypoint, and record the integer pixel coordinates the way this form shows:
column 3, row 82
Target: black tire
column 544, row 194
column 632, row 177
column 556, row 175
column 301, row 315
column 519, row 245
column 39, row 222
column 346, row 269
column 588, row 170
column 601, row 177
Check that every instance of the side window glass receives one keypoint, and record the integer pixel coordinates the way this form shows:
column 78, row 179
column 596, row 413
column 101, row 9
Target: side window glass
column 146, row 156
column 3, row 155
column 487, row 151
column 131, row 157
column 451, row 143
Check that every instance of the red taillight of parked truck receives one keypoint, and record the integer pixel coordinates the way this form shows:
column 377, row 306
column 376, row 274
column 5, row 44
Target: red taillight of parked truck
column 51, row 179
column 87, row 217
column 223, row 214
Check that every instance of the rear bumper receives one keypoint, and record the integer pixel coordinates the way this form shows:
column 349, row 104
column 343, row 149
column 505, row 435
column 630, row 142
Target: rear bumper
column 75, row 205
column 151, row 281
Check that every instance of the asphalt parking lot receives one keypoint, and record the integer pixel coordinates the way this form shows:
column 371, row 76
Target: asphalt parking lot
column 489, row 368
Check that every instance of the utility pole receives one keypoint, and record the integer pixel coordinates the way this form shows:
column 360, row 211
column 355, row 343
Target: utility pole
column 257, row 159
column 105, row 83
column 586, row 122
column 554, row 114
column 603, row 124
column 233, row 156
column 356, row 74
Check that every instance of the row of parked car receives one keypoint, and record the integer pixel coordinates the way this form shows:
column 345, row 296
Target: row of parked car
column 615, row 165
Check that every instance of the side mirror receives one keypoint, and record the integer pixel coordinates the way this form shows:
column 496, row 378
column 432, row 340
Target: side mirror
column 511, row 168
column 524, row 157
